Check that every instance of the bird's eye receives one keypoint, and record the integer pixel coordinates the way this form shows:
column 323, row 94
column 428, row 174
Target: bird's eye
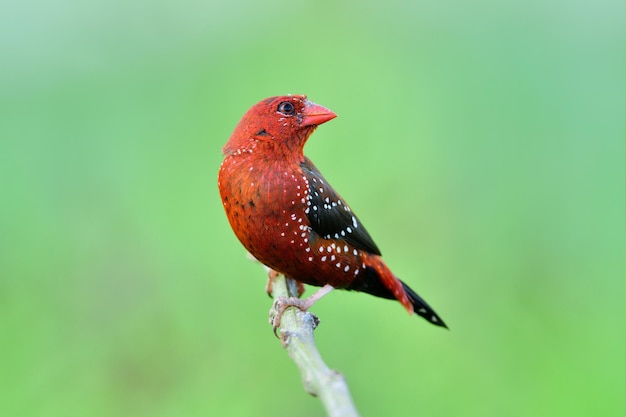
column 286, row 108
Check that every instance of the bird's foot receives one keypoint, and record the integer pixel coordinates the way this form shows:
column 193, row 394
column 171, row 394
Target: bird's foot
column 282, row 303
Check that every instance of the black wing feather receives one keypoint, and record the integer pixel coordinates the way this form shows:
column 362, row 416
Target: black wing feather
column 330, row 216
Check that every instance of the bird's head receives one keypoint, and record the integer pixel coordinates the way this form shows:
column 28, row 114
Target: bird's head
column 281, row 123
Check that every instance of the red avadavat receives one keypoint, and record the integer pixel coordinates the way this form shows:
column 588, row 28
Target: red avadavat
column 290, row 218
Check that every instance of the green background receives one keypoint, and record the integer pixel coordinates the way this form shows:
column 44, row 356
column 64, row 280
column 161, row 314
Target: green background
column 481, row 143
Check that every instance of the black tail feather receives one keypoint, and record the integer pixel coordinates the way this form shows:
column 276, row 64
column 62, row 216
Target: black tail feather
column 371, row 284
column 422, row 308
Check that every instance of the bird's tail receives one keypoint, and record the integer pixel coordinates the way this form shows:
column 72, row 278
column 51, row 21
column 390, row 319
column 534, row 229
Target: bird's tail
column 421, row 307
column 378, row 280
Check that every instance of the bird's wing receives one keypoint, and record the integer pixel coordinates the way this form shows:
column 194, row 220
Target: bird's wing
column 330, row 216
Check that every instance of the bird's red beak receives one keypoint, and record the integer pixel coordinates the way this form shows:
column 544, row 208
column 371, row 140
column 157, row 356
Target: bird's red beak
column 314, row 114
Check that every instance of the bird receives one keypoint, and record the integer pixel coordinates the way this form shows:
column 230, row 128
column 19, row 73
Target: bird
column 287, row 215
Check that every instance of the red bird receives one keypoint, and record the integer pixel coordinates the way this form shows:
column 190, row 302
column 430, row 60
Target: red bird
column 290, row 218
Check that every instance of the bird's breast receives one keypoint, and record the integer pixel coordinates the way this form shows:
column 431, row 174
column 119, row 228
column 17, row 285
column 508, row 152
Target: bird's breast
column 266, row 205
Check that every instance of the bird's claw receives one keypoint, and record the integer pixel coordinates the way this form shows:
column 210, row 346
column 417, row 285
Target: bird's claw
column 283, row 303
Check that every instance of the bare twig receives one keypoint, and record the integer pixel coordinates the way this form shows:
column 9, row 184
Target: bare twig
column 296, row 333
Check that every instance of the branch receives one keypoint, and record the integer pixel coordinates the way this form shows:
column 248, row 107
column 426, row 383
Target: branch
column 296, row 333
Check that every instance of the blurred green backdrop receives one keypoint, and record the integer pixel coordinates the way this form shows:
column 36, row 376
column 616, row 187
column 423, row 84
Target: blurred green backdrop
column 480, row 142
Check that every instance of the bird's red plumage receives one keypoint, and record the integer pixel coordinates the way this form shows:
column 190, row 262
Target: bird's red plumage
column 287, row 215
